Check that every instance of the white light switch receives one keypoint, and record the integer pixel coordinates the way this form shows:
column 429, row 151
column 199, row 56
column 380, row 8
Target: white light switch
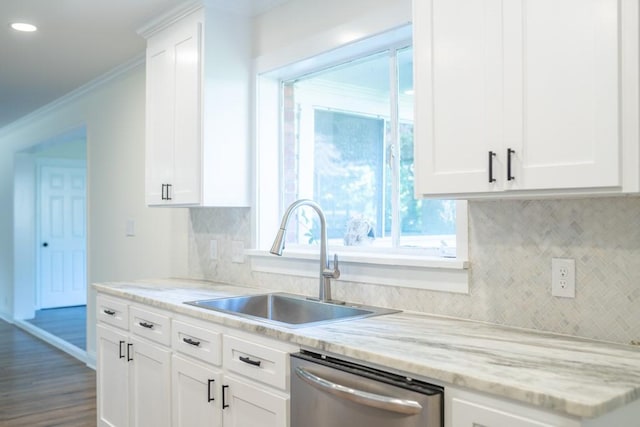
column 130, row 228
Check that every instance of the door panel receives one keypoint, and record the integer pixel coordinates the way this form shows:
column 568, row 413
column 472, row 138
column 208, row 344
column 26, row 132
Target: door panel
column 62, row 228
column 567, row 108
column 458, row 62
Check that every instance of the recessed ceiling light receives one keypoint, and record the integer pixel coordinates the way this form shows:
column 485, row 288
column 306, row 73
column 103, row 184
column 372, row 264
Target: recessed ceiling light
column 22, row 26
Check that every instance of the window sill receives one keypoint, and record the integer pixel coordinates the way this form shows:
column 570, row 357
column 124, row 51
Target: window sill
column 437, row 274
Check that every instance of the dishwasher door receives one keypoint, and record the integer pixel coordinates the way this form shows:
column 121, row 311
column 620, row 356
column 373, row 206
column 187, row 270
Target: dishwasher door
column 327, row 392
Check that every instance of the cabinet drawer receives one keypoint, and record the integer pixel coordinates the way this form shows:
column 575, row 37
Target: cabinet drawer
column 150, row 325
column 255, row 361
column 203, row 344
column 112, row 311
column 471, row 414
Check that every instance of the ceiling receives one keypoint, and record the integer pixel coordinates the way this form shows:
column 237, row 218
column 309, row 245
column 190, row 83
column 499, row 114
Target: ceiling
column 77, row 41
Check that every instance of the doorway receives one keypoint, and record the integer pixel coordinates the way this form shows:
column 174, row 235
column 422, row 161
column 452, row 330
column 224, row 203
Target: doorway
column 50, row 239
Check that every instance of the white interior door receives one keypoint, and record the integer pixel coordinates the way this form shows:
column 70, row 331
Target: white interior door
column 63, row 278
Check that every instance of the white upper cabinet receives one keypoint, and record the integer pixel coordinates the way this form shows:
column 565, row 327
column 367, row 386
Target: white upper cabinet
column 520, row 96
column 197, row 124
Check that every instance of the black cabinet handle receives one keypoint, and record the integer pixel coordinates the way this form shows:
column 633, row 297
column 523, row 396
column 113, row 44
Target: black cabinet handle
column 190, row 341
column 209, row 397
column 146, row 325
column 129, row 347
column 510, row 152
column 491, row 156
column 109, row 312
column 163, row 189
column 224, row 404
column 249, row 361
column 169, row 191
column 120, row 352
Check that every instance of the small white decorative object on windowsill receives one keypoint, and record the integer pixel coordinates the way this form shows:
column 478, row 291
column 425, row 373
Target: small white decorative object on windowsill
column 359, row 232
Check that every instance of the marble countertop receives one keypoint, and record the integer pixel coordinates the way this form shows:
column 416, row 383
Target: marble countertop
column 569, row 375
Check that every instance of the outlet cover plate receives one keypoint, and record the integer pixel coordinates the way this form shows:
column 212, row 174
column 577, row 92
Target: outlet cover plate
column 563, row 277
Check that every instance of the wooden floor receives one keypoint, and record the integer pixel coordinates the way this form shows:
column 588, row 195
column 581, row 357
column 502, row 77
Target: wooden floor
column 41, row 386
column 67, row 323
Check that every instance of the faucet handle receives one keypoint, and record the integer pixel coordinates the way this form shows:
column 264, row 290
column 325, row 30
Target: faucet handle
column 336, row 269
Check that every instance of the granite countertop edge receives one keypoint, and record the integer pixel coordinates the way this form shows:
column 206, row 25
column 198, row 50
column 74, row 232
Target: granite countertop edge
column 580, row 391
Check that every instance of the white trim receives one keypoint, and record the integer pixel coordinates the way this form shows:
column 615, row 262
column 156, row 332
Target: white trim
column 436, row 274
column 74, row 94
column 390, row 20
column 55, row 341
column 3, row 316
column 169, row 18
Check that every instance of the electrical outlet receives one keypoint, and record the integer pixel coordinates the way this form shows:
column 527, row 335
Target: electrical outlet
column 563, row 277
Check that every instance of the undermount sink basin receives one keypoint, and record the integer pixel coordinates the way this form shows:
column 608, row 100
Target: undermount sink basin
column 289, row 310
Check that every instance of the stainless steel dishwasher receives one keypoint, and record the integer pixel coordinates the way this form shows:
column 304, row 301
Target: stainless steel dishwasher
column 328, row 392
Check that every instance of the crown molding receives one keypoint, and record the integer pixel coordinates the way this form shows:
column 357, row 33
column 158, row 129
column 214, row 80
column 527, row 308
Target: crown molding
column 105, row 78
column 168, row 18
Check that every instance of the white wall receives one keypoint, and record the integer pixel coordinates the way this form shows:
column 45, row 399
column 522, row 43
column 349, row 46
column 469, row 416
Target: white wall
column 113, row 113
column 296, row 20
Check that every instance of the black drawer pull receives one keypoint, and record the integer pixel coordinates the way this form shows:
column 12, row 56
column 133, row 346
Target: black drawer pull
column 510, row 152
column 120, row 352
column 129, row 347
column 109, row 312
column 146, row 325
column 249, row 361
column 224, row 404
column 491, row 156
column 190, row 341
column 209, row 397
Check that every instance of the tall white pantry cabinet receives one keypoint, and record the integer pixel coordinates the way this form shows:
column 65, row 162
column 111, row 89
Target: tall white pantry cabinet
column 197, row 100
column 520, row 97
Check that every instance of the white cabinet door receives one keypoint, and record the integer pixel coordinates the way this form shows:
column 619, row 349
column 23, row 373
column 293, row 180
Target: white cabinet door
column 173, row 141
column 534, row 85
column 561, row 97
column 196, row 394
column 112, row 378
column 150, row 384
column 469, row 414
column 458, row 87
column 159, row 121
column 246, row 405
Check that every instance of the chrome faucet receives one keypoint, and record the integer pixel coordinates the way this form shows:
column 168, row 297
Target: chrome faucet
column 326, row 273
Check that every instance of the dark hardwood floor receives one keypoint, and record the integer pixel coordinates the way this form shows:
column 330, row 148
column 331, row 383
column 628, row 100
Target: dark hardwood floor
column 41, row 386
column 67, row 323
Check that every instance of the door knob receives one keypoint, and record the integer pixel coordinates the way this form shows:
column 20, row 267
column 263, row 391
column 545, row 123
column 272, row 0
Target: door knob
column 45, row 244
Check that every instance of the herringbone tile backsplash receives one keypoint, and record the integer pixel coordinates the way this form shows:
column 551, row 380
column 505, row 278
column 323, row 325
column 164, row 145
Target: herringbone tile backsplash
column 511, row 244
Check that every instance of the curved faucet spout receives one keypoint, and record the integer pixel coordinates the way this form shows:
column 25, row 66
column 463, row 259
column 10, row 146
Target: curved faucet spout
column 326, row 273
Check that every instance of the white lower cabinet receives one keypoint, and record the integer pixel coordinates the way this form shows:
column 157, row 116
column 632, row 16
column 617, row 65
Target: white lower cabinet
column 470, row 409
column 248, row 405
column 196, row 390
column 150, row 379
column 133, row 375
column 469, row 414
column 159, row 369
column 112, row 377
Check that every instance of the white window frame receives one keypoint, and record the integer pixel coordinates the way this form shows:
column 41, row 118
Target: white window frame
column 401, row 268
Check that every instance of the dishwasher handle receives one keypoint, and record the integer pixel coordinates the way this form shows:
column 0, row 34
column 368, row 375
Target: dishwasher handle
column 400, row 406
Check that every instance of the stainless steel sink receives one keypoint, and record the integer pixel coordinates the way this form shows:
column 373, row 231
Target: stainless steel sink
column 289, row 310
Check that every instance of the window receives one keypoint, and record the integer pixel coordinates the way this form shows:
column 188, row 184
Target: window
column 347, row 143
column 334, row 123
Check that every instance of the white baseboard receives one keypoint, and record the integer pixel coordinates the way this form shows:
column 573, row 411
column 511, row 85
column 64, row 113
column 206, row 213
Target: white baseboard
column 4, row 317
column 57, row 342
